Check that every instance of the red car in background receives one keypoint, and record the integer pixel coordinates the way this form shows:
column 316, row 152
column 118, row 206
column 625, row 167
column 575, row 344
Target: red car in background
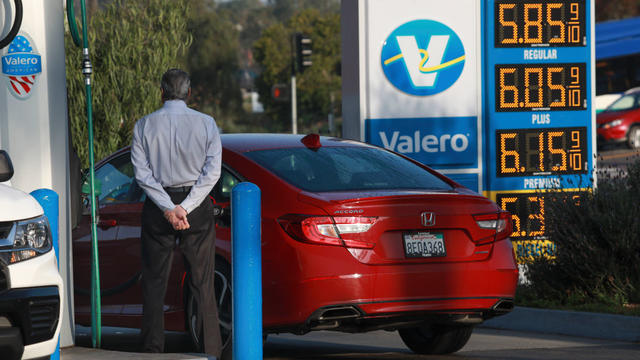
column 355, row 238
column 620, row 122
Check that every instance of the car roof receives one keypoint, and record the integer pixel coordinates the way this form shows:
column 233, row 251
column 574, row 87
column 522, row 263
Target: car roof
column 251, row 142
column 242, row 142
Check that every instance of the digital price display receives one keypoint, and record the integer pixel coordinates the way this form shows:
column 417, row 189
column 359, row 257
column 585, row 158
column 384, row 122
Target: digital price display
column 541, row 87
column 540, row 121
column 530, row 152
column 527, row 214
column 539, row 23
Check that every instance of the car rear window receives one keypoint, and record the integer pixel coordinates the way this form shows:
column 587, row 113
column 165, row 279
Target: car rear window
column 346, row 168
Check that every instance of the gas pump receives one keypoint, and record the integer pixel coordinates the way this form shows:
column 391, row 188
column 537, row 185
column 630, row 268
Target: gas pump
column 33, row 115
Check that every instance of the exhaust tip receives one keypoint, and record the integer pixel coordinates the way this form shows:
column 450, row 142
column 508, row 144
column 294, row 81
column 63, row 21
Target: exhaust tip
column 503, row 306
column 337, row 313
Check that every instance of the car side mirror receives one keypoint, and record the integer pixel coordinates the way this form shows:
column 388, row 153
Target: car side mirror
column 6, row 167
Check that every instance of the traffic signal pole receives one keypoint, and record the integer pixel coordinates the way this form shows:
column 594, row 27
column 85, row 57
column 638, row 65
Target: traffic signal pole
column 294, row 98
column 301, row 59
column 294, row 105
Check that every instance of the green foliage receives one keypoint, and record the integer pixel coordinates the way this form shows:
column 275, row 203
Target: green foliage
column 616, row 9
column 316, row 85
column 132, row 43
column 213, row 63
column 598, row 238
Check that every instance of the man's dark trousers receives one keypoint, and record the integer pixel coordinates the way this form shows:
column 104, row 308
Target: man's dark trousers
column 197, row 245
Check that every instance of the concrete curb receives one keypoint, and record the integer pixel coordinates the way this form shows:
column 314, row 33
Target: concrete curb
column 573, row 323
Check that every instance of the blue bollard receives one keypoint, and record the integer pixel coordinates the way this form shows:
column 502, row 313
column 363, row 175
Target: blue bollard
column 246, row 271
column 49, row 201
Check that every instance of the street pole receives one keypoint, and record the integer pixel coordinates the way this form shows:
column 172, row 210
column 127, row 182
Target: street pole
column 294, row 105
column 294, row 97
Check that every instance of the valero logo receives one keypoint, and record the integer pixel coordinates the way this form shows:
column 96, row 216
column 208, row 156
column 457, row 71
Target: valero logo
column 423, row 57
column 21, row 66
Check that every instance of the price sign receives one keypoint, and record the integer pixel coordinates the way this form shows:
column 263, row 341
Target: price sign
column 524, row 87
column 539, row 23
column 527, row 152
column 540, row 122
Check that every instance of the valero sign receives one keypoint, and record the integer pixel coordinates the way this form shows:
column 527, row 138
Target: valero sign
column 423, row 57
column 21, row 66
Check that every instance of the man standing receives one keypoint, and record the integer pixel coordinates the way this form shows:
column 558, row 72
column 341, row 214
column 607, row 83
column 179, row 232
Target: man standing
column 176, row 154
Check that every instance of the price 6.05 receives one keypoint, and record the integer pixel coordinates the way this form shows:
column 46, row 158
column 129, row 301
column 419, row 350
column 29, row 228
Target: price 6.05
column 524, row 87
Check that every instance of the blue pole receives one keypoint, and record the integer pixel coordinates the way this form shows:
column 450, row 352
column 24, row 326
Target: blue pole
column 246, row 271
column 49, row 200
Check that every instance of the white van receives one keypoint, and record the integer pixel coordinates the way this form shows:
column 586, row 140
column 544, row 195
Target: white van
column 31, row 295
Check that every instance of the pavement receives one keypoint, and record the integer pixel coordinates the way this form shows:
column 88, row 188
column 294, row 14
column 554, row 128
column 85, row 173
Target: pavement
column 572, row 323
column 122, row 343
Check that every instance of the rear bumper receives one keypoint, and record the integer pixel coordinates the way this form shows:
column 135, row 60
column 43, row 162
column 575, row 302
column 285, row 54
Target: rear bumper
column 387, row 295
column 356, row 318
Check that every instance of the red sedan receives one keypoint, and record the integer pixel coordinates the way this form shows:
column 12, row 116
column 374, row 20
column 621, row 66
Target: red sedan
column 355, row 238
column 620, row 122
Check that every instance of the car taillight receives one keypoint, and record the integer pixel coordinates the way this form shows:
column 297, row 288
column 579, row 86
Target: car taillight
column 498, row 222
column 349, row 231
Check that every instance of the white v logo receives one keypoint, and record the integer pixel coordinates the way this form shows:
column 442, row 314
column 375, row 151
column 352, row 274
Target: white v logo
column 413, row 59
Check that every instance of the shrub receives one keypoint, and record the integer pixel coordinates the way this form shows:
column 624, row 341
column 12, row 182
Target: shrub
column 598, row 240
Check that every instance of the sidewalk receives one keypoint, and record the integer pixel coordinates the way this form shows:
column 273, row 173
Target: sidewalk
column 573, row 323
column 124, row 343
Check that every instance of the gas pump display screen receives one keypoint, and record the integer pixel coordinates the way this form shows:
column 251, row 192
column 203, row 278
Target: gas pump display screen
column 541, row 87
column 529, row 152
column 539, row 23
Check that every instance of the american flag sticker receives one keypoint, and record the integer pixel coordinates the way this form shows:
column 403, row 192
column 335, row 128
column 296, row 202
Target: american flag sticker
column 21, row 66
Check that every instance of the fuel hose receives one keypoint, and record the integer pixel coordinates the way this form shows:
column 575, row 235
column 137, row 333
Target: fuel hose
column 17, row 22
column 87, row 70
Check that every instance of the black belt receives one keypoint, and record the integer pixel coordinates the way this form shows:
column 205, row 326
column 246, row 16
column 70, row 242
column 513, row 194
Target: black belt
column 178, row 189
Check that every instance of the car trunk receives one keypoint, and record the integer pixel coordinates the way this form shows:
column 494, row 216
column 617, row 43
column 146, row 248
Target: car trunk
column 411, row 226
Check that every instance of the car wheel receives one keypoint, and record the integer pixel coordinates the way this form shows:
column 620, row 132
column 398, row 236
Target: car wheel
column 436, row 339
column 223, row 300
column 633, row 138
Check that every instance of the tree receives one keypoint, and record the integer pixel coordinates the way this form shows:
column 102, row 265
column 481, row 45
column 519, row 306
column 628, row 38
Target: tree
column 317, row 84
column 132, row 43
column 616, row 9
column 213, row 63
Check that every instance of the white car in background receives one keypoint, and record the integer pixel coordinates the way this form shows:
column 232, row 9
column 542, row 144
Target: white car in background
column 31, row 295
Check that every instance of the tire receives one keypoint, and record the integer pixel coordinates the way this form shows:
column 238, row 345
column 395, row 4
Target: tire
column 633, row 137
column 224, row 296
column 435, row 339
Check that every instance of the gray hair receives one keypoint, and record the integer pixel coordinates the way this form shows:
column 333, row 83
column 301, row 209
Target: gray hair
column 175, row 85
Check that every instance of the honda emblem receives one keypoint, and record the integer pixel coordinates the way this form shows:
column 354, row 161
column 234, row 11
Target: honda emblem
column 428, row 218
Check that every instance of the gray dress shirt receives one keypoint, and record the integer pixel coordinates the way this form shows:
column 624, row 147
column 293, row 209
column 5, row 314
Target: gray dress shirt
column 176, row 146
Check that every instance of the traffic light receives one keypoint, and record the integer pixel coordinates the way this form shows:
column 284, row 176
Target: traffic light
column 303, row 52
column 280, row 92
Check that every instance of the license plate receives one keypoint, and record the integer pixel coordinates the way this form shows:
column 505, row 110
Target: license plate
column 424, row 244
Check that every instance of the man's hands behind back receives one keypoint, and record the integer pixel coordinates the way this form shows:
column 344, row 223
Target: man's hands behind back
column 177, row 218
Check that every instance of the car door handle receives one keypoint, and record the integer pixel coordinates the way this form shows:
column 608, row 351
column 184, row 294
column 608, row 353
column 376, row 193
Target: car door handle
column 106, row 224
